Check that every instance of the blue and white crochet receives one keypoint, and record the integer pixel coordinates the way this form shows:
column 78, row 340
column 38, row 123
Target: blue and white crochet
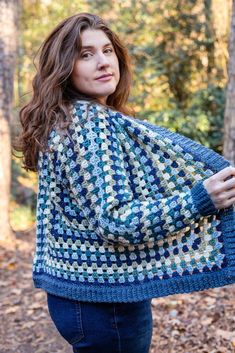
column 122, row 214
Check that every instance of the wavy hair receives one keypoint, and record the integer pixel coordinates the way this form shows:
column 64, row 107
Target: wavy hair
column 53, row 91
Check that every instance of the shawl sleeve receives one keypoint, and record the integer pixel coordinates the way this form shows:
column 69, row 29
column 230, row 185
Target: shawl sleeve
column 97, row 175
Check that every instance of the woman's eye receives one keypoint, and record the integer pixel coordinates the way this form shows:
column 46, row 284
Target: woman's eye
column 85, row 55
column 110, row 49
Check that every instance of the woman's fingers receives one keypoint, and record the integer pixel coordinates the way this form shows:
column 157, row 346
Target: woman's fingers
column 223, row 202
column 230, row 183
column 224, row 173
column 224, row 198
column 223, row 180
column 221, row 187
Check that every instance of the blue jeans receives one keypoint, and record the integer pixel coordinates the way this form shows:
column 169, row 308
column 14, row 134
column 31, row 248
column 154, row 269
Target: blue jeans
column 103, row 327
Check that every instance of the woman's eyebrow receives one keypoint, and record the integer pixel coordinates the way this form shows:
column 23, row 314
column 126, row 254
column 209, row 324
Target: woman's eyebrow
column 92, row 46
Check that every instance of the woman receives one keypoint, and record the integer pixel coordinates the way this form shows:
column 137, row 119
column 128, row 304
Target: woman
column 122, row 206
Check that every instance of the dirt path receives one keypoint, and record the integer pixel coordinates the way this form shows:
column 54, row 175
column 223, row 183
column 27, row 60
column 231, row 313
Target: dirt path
column 202, row 322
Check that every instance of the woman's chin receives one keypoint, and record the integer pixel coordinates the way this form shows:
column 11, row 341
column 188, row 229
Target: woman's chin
column 101, row 95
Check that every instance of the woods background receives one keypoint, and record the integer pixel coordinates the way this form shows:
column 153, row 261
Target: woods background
column 183, row 58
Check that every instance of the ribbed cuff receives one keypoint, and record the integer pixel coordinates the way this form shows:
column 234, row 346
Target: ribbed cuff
column 202, row 199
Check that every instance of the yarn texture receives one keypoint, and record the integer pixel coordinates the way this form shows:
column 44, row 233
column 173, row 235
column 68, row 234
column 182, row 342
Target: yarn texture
column 122, row 213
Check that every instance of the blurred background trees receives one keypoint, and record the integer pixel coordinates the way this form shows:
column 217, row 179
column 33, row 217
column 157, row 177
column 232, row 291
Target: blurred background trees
column 180, row 56
column 229, row 118
column 9, row 16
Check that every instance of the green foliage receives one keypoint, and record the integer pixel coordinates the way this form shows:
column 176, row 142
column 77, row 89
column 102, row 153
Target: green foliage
column 208, row 105
column 202, row 121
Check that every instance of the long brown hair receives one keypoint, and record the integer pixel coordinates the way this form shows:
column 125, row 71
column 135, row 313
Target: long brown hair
column 53, row 91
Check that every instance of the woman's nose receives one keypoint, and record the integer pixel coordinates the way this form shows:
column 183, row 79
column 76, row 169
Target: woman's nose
column 102, row 59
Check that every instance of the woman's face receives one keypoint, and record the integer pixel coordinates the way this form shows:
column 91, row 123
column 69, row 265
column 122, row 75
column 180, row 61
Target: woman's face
column 97, row 58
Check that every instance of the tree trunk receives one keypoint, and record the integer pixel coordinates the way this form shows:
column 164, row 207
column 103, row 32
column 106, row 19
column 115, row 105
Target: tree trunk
column 9, row 14
column 222, row 13
column 229, row 120
column 210, row 37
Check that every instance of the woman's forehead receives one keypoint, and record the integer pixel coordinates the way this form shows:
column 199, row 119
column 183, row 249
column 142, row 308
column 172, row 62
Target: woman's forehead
column 92, row 37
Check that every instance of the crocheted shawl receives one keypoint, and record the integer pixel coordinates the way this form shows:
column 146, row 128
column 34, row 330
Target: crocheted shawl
column 122, row 214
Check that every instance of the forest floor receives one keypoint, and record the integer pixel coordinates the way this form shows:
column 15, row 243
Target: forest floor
column 201, row 322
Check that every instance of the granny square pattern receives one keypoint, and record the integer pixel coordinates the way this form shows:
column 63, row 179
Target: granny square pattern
column 122, row 213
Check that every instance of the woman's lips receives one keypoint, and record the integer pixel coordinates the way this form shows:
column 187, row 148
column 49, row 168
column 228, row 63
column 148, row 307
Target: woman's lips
column 106, row 78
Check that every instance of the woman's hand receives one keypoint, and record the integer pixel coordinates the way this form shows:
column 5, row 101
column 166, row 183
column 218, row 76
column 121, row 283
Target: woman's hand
column 220, row 188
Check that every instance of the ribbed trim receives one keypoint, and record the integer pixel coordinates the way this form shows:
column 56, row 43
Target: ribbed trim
column 134, row 292
column 202, row 199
